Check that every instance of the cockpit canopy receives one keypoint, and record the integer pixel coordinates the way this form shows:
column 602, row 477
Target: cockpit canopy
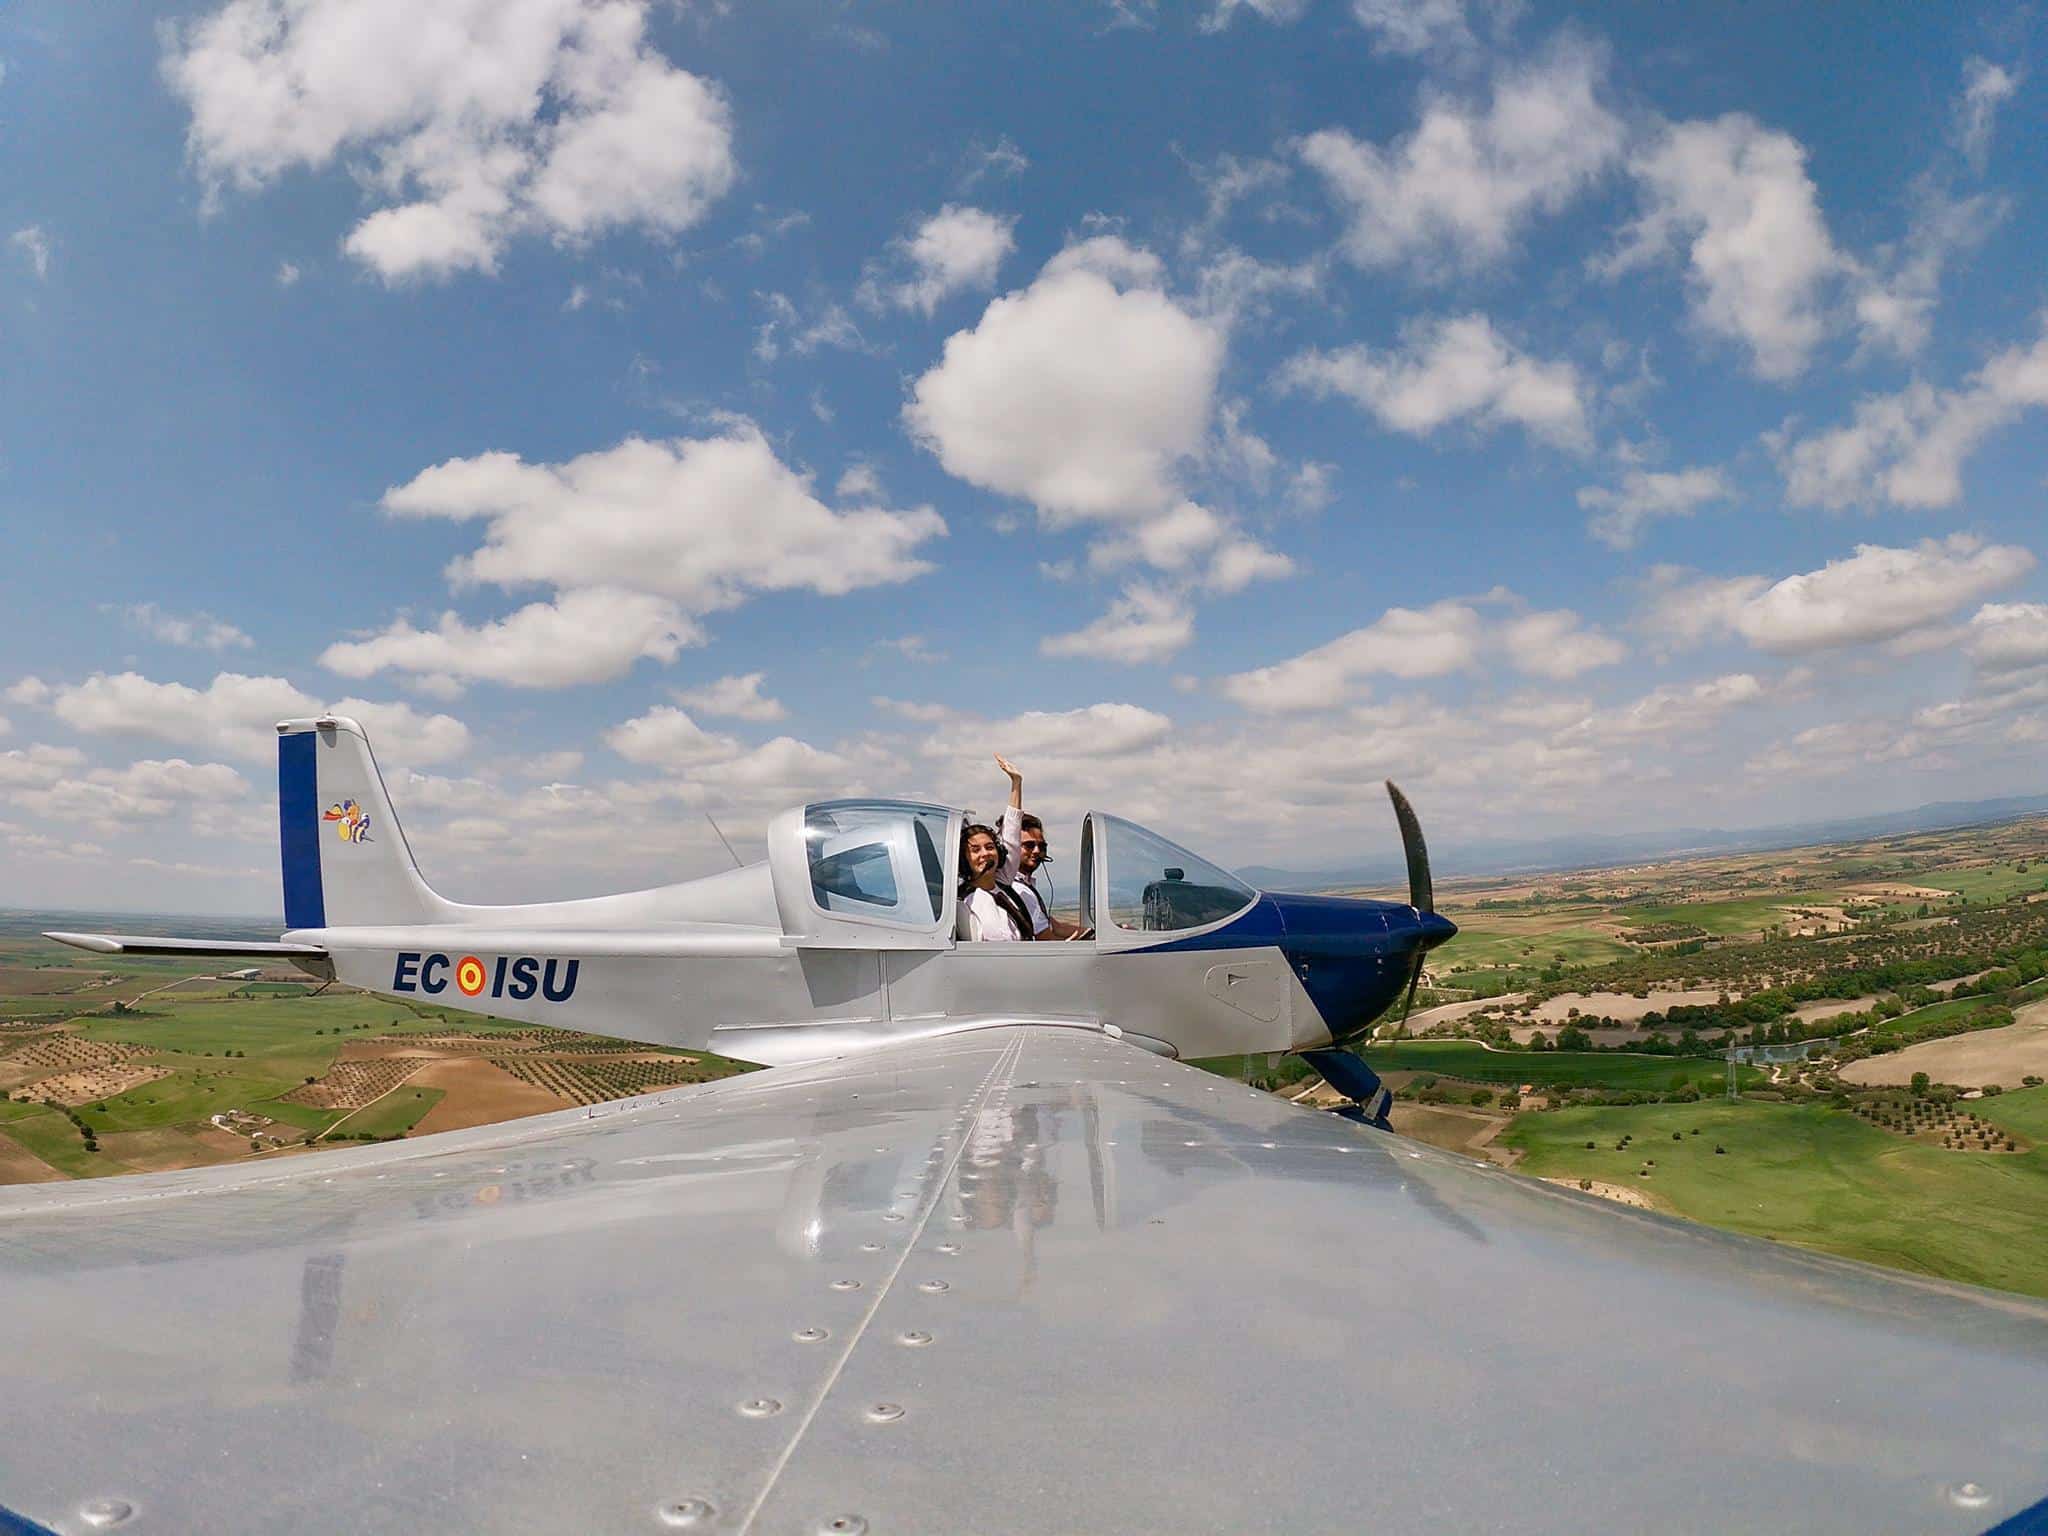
column 882, row 874
column 1150, row 885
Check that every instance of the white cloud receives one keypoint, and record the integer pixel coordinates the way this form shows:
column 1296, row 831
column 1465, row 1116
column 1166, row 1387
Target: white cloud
column 588, row 635
column 787, row 330
column 2009, row 637
column 1986, row 86
column 1402, row 642
column 953, row 251
column 1895, row 307
column 1450, row 369
column 287, row 274
column 1674, row 708
column 1281, row 12
column 1459, row 189
column 1081, row 394
column 1646, row 495
column 201, row 631
column 468, row 126
column 638, row 540
column 1099, row 730
column 34, row 244
column 39, row 766
column 735, row 698
column 1144, row 625
column 1425, row 26
column 1557, row 645
column 29, row 690
column 1877, row 594
column 1909, row 448
column 1002, row 161
column 234, row 715
column 141, row 791
column 1735, row 196
column 669, row 738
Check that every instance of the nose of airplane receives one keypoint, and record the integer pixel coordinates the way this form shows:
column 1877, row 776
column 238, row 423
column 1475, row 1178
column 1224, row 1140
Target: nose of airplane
column 1435, row 928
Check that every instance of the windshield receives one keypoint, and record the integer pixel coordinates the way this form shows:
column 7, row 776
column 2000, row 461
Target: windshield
column 1159, row 887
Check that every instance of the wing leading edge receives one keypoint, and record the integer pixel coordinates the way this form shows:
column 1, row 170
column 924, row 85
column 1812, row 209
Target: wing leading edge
column 1027, row 1277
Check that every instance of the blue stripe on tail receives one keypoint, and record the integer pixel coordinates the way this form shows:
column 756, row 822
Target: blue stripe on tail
column 298, row 829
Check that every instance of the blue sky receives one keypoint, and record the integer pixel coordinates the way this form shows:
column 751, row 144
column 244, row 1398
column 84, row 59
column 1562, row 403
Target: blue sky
column 1596, row 422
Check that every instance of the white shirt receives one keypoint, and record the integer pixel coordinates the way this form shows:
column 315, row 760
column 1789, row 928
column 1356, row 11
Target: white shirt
column 1011, row 831
column 981, row 916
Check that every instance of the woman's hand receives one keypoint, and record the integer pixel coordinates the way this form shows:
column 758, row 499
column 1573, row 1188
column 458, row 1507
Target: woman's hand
column 1016, row 781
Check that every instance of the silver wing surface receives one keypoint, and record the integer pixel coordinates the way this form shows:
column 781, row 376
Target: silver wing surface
column 1018, row 1279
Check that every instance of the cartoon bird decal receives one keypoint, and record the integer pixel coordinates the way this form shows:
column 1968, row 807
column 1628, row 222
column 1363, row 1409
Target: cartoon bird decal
column 352, row 822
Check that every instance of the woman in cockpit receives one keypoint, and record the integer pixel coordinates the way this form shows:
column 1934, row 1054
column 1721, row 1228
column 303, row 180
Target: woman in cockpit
column 989, row 909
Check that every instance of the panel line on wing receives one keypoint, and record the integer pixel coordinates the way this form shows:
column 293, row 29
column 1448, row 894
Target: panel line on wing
column 1003, row 1067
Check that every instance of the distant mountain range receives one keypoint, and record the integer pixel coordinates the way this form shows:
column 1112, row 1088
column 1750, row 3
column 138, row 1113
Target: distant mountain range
column 1597, row 851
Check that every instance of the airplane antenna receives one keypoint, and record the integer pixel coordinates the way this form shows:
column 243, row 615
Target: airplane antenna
column 728, row 846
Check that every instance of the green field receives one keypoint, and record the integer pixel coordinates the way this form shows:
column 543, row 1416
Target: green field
column 1483, row 946
column 1997, row 882
column 394, row 1114
column 1571, row 1069
column 1749, row 914
column 1933, row 1013
column 1822, row 1178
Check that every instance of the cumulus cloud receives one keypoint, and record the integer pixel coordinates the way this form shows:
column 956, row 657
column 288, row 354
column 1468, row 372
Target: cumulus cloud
column 2009, row 637
column 1734, row 198
column 202, row 631
column 734, row 698
column 1894, row 302
column 1909, row 448
column 1674, row 708
column 638, row 540
column 1097, row 731
column 1646, row 495
column 1456, row 368
column 1448, row 636
column 1145, row 624
column 788, row 329
column 586, row 636
column 953, row 251
column 34, row 244
column 1463, row 184
column 467, row 128
column 1557, row 645
column 142, row 791
column 1877, row 594
column 1081, row 394
column 234, row 715
column 1402, row 642
column 1986, row 86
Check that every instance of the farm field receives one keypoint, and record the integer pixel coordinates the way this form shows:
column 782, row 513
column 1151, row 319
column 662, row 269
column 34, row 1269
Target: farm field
column 153, row 1065
column 1473, row 1062
column 1821, row 1178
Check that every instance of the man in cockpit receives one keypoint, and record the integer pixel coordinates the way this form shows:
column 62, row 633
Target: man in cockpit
column 1023, row 837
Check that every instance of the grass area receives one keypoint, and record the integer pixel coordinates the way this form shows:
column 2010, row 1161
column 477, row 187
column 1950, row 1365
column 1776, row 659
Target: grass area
column 1822, row 1178
column 1748, row 914
column 56, row 1141
column 1933, row 1013
column 1996, row 882
column 1488, row 942
column 1572, row 1069
column 394, row 1114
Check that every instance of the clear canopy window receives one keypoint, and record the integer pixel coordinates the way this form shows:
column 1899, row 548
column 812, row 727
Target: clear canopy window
column 1158, row 887
column 877, row 859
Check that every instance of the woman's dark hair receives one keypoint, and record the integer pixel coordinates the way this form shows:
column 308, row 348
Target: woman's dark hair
column 966, row 835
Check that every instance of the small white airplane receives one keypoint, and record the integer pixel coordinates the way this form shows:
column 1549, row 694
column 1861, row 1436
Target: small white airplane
column 841, row 940
column 976, row 1256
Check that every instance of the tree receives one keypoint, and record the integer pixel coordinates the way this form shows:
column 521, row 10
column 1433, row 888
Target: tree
column 1920, row 1082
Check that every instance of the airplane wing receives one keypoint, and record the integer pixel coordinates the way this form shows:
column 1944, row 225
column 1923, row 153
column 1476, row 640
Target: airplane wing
column 1012, row 1279
column 149, row 944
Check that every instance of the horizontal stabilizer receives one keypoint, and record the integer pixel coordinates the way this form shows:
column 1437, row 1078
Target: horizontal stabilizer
column 145, row 944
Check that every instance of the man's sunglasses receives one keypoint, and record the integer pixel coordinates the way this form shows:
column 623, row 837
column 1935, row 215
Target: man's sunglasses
column 1038, row 843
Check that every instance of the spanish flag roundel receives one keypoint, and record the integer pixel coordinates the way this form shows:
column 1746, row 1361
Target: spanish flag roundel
column 469, row 975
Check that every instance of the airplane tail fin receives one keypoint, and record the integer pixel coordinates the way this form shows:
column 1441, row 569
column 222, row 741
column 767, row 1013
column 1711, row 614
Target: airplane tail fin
column 346, row 862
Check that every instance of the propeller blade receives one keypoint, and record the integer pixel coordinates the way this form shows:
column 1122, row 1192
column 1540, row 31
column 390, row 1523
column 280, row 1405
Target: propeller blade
column 1414, row 981
column 1421, row 893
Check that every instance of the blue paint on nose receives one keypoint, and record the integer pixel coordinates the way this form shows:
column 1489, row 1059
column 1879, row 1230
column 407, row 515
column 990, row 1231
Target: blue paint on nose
column 1354, row 956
